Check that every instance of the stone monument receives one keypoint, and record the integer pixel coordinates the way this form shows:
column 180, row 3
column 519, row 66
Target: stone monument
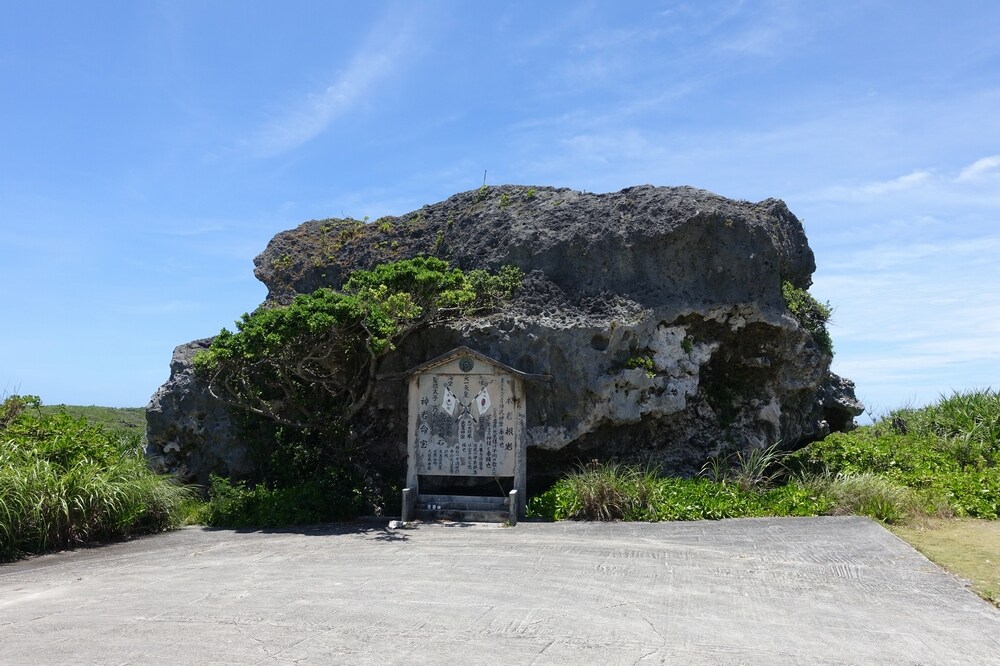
column 466, row 419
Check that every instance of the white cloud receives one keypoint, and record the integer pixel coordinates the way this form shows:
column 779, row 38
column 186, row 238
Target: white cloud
column 979, row 168
column 379, row 57
column 900, row 184
column 628, row 144
column 876, row 188
column 896, row 254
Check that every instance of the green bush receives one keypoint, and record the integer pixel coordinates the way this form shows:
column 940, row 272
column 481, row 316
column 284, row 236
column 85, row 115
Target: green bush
column 321, row 499
column 299, row 375
column 947, row 454
column 811, row 314
column 311, row 364
column 65, row 482
column 599, row 491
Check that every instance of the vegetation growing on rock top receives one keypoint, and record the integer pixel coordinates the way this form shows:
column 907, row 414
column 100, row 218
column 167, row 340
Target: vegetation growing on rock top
column 311, row 364
column 811, row 314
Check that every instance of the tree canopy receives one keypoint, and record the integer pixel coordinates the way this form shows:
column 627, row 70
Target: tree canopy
column 311, row 364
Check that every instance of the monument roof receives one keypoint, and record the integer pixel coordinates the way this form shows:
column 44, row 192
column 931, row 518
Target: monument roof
column 465, row 351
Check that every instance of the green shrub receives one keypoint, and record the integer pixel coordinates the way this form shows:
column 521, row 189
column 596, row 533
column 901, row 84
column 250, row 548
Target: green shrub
column 324, row 498
column 311, row 364
column 811, row 314
column 299, row 375
column 642, row 361
column 65, row 482
column 947, row 454
column 600, row 491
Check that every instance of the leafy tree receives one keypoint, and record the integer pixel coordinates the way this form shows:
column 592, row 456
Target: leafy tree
column 311, row 364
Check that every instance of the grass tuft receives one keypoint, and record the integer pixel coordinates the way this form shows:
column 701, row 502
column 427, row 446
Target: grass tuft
column 65, row 482
column 938, row 461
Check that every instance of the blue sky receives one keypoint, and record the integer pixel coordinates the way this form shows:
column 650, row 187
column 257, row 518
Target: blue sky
column 148, row 151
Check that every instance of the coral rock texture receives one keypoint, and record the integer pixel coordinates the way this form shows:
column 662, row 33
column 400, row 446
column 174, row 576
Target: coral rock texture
column 658, row 312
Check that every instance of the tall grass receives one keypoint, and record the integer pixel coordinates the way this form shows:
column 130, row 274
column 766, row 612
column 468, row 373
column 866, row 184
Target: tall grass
column 751, row 470
column 616, row 491
column 865, row 494
column 947, row 454
column 973, row 416
column 939, row 460
column 65, row 482
column 609, row 492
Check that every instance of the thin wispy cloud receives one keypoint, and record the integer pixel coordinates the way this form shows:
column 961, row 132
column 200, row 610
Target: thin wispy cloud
column 380, row 56
column 974, row 185
column 979, row 169
column 172, row 307
column 900, row 184
column 895, row 253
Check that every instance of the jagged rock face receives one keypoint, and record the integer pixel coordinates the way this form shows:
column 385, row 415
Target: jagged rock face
column 188, row 432
column 657, row 311
column 653, row 246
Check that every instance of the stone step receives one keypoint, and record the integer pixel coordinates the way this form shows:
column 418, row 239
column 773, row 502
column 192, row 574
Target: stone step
column 461, row 502
column 462, row 516
column 460, row 508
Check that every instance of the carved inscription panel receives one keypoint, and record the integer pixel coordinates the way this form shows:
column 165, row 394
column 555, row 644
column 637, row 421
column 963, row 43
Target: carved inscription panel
column 466, row 424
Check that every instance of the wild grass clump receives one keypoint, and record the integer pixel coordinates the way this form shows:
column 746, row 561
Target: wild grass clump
column 606, row 492
column 865, row 494
column 947, row 454
column 758, row 468
column 65, row 482
column 616, row 491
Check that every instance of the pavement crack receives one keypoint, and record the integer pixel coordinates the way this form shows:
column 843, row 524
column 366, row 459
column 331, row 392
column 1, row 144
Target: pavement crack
column 542, row 651
column 643, row 657
column 663, row 639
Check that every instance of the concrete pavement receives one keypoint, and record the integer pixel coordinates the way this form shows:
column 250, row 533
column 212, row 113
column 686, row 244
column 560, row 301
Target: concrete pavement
column 757, row 591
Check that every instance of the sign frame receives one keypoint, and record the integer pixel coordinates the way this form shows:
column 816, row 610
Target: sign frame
column 469, row 427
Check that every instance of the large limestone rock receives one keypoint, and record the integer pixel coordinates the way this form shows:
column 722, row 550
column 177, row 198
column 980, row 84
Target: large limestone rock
column 189, row 432
column 658, row 311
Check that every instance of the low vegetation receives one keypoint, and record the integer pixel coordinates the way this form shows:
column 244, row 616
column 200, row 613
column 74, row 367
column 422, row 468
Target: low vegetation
column 600, row 491
column 947, row 455
column 811, row 314
column 939, row 461
column 67, row 482
column 128, row 419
